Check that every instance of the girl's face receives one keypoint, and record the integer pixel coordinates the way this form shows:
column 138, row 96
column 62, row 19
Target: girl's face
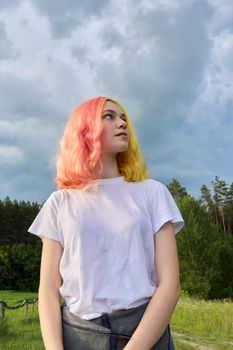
column 114, row 124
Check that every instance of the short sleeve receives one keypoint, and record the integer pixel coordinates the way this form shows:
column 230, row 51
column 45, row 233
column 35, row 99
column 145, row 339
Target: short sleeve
column 164, row 208
column 45, row 223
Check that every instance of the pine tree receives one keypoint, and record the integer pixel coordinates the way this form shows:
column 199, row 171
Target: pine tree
column 207, row 200
column 220, row 195
column 229, row 209
column 176, row 189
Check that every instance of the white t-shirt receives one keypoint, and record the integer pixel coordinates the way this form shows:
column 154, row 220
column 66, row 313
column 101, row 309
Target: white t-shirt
column 107, row 237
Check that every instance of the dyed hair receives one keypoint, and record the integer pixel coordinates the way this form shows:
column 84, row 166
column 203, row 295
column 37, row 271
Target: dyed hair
column 78, row 162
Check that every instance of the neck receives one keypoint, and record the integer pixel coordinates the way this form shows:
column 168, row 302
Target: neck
column 110, row 167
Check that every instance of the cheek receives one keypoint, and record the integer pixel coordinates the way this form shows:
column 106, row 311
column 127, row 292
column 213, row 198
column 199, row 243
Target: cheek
column 107, row 131
column 105, row 135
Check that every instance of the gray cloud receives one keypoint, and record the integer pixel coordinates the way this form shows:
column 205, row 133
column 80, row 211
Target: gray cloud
column 11, row 155
column 222, row 17
column 158, row 61
column 112, row 37
column 21, row 98
column 7, row 5
column 64, row 16
column 7, row 50
column 26, row 147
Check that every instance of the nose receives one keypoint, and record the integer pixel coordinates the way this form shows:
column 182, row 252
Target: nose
column 121, row 123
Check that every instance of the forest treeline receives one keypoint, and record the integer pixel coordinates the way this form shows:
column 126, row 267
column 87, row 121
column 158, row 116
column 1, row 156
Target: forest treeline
column 205, row 244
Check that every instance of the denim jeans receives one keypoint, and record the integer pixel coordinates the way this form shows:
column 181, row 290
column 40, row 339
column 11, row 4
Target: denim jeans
column 107, row 332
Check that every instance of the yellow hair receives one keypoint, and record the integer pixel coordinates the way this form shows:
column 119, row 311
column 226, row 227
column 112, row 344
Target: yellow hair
column 131, row 163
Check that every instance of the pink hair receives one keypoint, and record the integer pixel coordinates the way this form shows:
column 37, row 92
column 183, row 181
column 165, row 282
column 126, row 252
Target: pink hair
column 80, row 148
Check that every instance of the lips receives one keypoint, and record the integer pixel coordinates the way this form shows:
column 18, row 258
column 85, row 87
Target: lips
column 122, row 133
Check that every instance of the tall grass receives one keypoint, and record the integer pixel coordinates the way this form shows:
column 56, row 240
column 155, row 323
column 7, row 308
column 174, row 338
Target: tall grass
column 204, row 322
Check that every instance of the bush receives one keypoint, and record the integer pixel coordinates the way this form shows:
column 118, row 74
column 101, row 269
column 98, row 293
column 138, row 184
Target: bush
column 20, row 266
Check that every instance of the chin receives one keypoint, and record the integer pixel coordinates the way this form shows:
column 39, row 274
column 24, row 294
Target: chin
column 123, row 149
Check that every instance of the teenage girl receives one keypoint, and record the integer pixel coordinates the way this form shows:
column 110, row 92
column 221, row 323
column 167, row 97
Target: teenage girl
column 108, row 234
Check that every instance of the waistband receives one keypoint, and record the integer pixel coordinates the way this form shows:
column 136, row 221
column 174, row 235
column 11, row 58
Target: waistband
column 123, row 321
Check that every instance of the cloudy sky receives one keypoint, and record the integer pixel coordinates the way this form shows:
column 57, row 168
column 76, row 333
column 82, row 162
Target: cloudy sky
column 169, row 62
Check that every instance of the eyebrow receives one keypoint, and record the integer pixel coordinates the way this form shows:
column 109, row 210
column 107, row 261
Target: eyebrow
column 110, row 110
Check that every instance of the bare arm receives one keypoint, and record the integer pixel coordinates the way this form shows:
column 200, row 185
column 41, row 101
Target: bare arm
column 49, row 296
column 163, row 302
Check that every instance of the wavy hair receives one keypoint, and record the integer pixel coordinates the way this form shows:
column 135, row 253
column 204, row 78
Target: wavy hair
column 79, row 163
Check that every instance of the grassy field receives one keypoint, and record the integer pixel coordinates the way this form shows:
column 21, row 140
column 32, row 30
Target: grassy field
column 203, row 324
column 196, row 324
column 16, row 331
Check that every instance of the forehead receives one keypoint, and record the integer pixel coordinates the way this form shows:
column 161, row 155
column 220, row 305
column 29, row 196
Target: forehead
column 113, row 106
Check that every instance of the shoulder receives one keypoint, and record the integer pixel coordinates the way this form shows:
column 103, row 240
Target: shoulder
column 154, row 185
column 157, row 192
column 61, row 194
column 153, row 189
column 57, row 197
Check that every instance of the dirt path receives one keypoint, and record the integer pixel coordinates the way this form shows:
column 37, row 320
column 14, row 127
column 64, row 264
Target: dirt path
column 196, row 346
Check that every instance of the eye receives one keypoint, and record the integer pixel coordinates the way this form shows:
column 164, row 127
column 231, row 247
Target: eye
column 107, row 115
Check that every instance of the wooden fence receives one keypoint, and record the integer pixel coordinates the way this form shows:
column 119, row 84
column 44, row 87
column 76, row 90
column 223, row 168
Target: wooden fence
column 25, row 303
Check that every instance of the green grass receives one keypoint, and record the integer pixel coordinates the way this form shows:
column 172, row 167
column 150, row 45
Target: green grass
column 209, row 323
column 18, row 332
column 195, row 325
